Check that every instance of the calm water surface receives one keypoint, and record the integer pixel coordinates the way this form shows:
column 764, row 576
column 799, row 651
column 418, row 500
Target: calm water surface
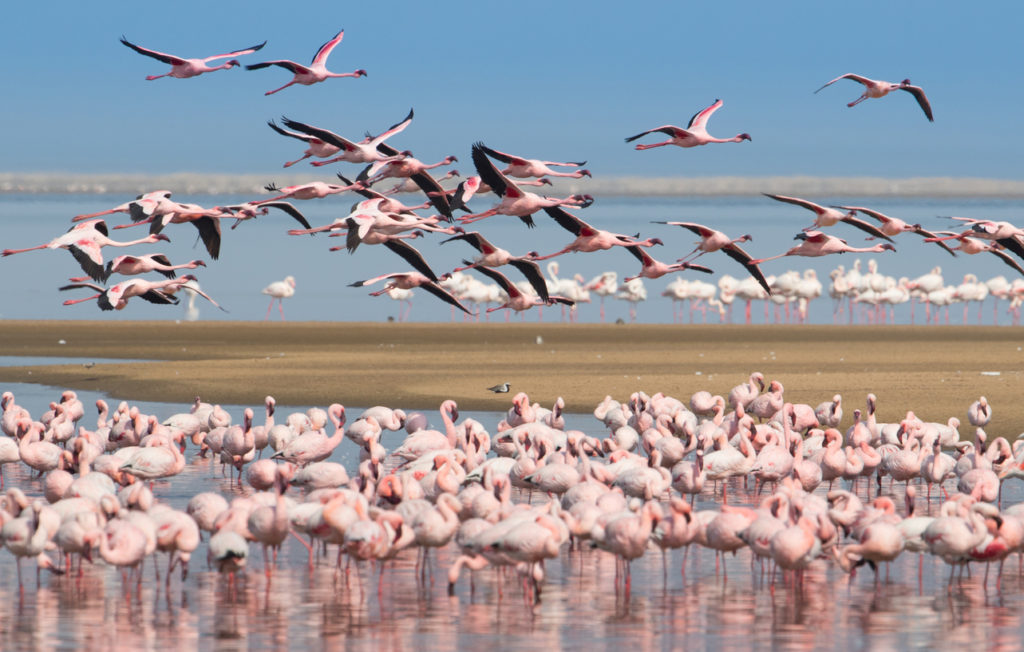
column 691, row 605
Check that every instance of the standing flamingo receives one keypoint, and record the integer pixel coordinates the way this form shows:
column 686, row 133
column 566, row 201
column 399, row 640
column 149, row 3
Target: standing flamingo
column 315, row 72
column 184, row 68
column 695, row 134
column 279, row 291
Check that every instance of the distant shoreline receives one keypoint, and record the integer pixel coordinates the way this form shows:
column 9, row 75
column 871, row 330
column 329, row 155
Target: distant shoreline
column 187, row 183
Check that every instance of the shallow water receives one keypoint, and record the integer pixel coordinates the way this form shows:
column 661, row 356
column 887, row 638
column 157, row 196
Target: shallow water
column 691, row 605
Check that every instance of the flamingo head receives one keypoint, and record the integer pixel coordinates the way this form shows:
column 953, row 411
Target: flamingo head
column 544, row 181
column 160, row 236
column 905, row 82
column 450, row 159
column 359, row 73
column 586, row 173
column 656, row 241
column 233, row 63
column 744, row 137
column 886, row 247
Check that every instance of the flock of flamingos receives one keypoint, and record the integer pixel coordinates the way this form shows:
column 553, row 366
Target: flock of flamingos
column 379, row 218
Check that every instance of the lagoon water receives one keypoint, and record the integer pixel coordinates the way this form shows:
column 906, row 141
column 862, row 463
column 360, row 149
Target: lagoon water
column 259, row 252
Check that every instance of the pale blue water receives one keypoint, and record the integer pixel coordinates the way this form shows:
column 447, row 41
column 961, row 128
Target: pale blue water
column 259, row 252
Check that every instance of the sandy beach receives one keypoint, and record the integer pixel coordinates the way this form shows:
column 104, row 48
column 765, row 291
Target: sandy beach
column 935, row 371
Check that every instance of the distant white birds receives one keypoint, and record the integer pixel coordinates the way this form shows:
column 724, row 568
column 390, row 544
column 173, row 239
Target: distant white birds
column 876, row 88
column 279, row 291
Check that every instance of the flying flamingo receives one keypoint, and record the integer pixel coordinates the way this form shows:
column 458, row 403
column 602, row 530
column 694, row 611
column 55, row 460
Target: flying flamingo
column 251, row 210
column 160, row 212
column 315, row 72
column 474, row 185
column 588, row 238
column 185, row 68
column 317, row 147
column 695, row 134
column 712, row 240
column 816, row 243
column 655, row 268
column 825, row 216
column 279, row 291
column 973, row 246
column 131, row 265
column 530, row 167
column 116, row 296
column 894, row 226
column 514, row 200
column 311, row 190
column 1002, row 233
column 875, row 88
column 409, row 281
column 393, row 242
column 155, row 195
column 492, row 256
column 365, row 151
column 516, row 299
column 84, row 240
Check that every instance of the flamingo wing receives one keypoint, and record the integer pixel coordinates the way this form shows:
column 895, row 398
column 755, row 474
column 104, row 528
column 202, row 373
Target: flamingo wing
column 503, row 157
column 1006, row 258
column 1013, row 245
column 371, row 281
column 209, row 232
column 809, row 205
column 700, row 119
column 475, row 240
column 159, row 297
column 159, row 259
column 488, row 173
column 435, row 194
column 500, row 279
column 567, row 220
column 669, row 130
column 743, row 258
column 868, row 228
column 928, row 234
column 440, row 293
column 290, row 210
column 90, row 258
column 292, row 134
column 237, row 53
column 641, row 255
column 922, row 100
column 394, row 129
column 531, row 271
column 205, row 296
column 320, row 58
column 296, row 68
column 159, row 56
column 412, row 256
column 464, row 192
column 324, row 135
column 699, row 229
column 849, row 75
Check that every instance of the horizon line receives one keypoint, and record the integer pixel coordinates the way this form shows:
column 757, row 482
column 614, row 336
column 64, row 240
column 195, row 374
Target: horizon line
column 626, row 186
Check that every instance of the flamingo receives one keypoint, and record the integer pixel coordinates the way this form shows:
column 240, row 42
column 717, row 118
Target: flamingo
column 652, row 268
column 409, row 281
column 492, row 256
column 315, row 445
column 365, row 151
column 315, row 72
column 129, row 265
column 816, row 243
column 311, row 190
column 185, row 68
column 588, row 238
column 279, row 291
column 530, row 167
column 695, row 134
column 116, row 296
column 894, row 226
column 514, row 200
column 712, row 240
column 971, row 246
column 251, row 210
column 516, row 299
column 317, row 147
column 825, row 216
column 154, row 195
column 876, row 88
column 85, row 240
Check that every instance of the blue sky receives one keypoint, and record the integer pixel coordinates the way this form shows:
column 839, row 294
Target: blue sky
column 559, row 80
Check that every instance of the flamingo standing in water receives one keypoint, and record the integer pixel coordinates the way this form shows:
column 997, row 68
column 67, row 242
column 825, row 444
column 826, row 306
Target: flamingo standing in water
column 84, row 240
column 876, row 88
column 816, row 243
column 279, row 291
column 316, row 72
column 712, row 240
column 184, row 68
column 695, row 134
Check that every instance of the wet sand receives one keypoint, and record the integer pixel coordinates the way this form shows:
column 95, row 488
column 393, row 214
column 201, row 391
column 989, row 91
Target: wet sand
column 935, row 371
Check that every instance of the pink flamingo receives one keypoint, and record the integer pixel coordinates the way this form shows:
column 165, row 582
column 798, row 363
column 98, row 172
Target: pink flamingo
column 116, row 296
column 972, row 246
column 816, row 243
column 409, row 281
column 514, row 200
column 269, row 524
column 317, row 147
column 712, row 240
column 652, row 268
column 365, row 151
column 279, row 291
column 315, row 446
column 695, row 134
column 893, row 226
column 530, row 167
column 184, row 68
column 825, row 216
column 315, row 72
column 875, row 88
column 588, row 238
column 129, row 265
column 125, row 207
column 84, row 241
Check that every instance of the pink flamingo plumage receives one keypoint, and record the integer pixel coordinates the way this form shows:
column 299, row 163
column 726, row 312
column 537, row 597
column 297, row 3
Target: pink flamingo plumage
column 588, row 238
column 364, row 151
column 816, row 243
column 652, row 268
column 695, row 134
column 182, row 68
column 522, row 168
column 313, row 73
column 876, row 88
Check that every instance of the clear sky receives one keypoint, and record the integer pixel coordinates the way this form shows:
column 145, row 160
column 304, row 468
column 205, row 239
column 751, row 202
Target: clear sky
column 559, row 80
